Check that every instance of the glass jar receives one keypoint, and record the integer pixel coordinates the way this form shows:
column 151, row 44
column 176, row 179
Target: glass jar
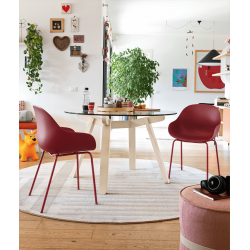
column 86, row 98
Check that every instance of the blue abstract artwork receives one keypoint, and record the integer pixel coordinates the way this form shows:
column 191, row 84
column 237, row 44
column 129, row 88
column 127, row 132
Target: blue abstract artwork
column 179, row 79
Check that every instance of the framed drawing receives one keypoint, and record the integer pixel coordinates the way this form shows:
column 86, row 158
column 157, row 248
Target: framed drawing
column 75, row 50
column 65, row 8
column 56, row 25
column 204, row 82
column 78, row 38
column 179, row 79
column 74, row 24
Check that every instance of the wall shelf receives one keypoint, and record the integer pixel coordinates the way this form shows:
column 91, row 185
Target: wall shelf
column 221, row 55
column 222, row 73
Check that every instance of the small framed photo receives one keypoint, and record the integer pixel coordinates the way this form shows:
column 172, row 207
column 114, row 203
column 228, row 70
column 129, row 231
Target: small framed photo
column 75, row 50
column 65, row 8
column 179, row 79
column 56, row 25
column 74, row 24
column 78, row 38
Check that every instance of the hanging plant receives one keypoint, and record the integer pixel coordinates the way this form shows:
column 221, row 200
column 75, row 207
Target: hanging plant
column 34, row 43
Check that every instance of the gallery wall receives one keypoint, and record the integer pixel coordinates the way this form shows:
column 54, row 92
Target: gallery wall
column 59, row 70
column 170, row 51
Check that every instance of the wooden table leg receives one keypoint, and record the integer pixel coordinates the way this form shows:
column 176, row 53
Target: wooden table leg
column 132, row 146
column 157, row 151
column 89, row 130
column 105, row 150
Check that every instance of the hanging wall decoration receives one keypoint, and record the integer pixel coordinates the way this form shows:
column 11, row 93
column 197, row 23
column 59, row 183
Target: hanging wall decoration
column 204, row 82
column 179, row 79
column 74, row 24
column 190, row 41
column 78, row 38
column 66, row 8
column 56, row 25
column 22, row 24
column 83, row 65
column 61, row 43
column 75, row 50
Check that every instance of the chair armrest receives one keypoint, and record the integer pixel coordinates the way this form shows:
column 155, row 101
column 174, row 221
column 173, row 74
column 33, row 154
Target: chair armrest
column 70, row 141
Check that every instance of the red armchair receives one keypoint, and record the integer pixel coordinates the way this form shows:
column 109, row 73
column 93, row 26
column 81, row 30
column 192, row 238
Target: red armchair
column 197, row 123
column 60, row 141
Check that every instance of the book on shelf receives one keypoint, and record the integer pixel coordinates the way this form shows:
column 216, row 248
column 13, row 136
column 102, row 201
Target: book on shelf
column 212, row 197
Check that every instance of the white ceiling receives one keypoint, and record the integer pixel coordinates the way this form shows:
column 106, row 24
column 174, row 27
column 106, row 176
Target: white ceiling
column 150, row 16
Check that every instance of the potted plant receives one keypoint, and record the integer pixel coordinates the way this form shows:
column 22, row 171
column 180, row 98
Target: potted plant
column 34, row 49
column 133, row 75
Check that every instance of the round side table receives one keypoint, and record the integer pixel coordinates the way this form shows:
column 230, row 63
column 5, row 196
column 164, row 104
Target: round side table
column 205, row 224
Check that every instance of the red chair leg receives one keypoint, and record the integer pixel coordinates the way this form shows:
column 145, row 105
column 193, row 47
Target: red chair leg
column 36, row 172
column 207, row 160
column 217, row 157
column 181, row 155
column 171, row 160
column 77, row 164
column 45, row 198
column 93, row 175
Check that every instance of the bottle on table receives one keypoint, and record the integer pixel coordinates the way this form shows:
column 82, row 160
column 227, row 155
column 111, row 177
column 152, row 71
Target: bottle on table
column 86, row 98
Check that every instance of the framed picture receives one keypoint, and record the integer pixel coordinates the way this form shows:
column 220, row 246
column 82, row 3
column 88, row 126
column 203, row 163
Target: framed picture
column 56, row 25
column 78, row 39
column 65, row 8
column 74, row 24
column 179, row 79
column 204, row 82
column 75, row 50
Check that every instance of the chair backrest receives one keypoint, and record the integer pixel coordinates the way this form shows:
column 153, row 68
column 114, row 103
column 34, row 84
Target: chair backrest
column 48, row 130
column 200, row 117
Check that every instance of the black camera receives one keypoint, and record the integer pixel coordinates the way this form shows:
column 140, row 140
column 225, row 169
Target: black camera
column 217, row 184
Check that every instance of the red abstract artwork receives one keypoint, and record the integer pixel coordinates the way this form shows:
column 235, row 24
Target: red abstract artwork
column 209, row 81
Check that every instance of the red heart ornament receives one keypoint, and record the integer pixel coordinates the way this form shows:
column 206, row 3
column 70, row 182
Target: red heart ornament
column 65, row 8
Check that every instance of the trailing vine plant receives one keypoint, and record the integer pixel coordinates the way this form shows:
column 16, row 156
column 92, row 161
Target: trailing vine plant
column 34, row 43
column 133, row 75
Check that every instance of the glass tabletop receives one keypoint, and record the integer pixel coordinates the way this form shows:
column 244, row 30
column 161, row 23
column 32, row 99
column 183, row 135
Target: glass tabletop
column 120, row 113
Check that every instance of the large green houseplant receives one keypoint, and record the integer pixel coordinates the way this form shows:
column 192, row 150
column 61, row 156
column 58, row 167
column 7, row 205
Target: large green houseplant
column 34, row 43
column 133, row 75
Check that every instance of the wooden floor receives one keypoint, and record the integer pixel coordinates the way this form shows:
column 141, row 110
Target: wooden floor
column 41, row 233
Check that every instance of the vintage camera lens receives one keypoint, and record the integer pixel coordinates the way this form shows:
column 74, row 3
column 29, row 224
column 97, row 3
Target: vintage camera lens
column 213, row 183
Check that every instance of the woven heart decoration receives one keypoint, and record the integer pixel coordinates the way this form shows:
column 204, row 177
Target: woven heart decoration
column 66, row 8
column 61, row 43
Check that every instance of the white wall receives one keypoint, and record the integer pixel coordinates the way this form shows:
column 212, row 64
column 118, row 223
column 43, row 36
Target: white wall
column 170, row 52
column 59, row 70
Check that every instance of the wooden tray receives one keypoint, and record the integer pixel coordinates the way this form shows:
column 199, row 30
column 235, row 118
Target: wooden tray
column 102, row 109
column 146, row 109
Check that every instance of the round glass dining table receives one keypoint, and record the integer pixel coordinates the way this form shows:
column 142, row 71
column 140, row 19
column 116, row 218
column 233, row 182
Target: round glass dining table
column 134, row 119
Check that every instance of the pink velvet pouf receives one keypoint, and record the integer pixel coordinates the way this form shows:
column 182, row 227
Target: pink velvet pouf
column 205, row 224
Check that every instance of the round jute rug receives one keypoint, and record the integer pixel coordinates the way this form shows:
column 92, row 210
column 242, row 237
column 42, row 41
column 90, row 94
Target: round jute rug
column 133, row 195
